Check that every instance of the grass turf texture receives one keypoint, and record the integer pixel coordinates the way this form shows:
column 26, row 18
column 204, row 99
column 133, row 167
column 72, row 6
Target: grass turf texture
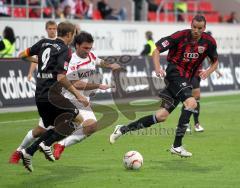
column 96, row 163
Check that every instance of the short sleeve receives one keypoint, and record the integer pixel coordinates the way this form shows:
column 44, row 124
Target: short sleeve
column 168, row 42
column 98, row 60
column 95, row 58
column 35, row 49
column 63, row 62
column 212, row 51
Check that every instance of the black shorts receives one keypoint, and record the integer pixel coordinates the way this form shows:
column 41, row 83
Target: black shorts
column 177, row 90
column 49, row 110
column 195, row 82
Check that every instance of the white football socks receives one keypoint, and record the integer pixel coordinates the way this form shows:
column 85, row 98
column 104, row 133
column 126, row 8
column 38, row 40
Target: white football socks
column 74, row 138
column 27, row 141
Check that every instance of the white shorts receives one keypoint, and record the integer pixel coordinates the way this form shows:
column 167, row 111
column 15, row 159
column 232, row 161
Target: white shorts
column 40, row 124
column 85, row 112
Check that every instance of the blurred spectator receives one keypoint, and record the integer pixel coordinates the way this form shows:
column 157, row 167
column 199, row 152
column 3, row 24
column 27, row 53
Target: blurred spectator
column 16, row 2
column 71, row 3
column 4, row 10
column 83, row 9
column 35, row 13
column 220, row 19
column 7, row 46
column 150, row 46
column 152, row 6
column 107, row 12
column 233, row 18
column 59, row 12
column 34, row 2
column 181, row 9
column 67, row 12
column 52, row 3
column 138, row 9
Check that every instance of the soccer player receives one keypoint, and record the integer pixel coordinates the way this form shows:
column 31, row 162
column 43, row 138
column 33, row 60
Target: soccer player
column 33, row 134
column 187, row 50
column 81, row 72
column 53, row 107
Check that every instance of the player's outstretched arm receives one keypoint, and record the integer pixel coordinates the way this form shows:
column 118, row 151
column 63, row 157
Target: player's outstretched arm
column 156, row 61
column 113, row 66
column 25, row 56
column 32, row 68
column 205, row 73
column 219, row 74
column 62, row 79
column 78, row 84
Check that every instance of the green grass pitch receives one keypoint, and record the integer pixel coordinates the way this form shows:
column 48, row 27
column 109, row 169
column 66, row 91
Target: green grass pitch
column 96, row 163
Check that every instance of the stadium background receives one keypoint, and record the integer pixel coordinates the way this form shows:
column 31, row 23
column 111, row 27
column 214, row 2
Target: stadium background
column 121, row 38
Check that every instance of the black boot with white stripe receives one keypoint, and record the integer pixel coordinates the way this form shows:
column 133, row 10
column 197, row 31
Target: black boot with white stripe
column 47, row 151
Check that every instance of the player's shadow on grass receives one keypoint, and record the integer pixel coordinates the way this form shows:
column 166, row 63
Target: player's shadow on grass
column 53, row 175
column 183, row 165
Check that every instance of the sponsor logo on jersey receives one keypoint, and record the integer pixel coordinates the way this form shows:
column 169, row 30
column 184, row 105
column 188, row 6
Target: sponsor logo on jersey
column 201, row 49
column 191, row 55
column 85, row 74
column 165, row 43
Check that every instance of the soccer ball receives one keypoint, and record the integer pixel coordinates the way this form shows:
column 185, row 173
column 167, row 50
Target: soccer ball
column 132, row 160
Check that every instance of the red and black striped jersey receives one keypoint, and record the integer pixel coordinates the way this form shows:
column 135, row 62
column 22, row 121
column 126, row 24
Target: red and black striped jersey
column 186, row 54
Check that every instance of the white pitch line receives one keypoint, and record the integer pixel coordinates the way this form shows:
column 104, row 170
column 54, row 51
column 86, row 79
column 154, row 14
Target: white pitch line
column 203, row 103
column 17, row 121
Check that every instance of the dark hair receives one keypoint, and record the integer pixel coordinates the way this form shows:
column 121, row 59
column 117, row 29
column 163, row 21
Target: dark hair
column 199, row 18
column 149, row 35
column 8, row 33
column 83, row 37
column 50, row 22
column 64, row 28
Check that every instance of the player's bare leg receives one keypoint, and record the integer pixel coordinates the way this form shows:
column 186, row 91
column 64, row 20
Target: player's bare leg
column 87, row 128
column 197, row 126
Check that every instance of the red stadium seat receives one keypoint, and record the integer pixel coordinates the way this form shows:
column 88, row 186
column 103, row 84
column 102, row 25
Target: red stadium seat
column 19, row 12
column 191, row 6
column 47, row 11
column 152, row 16
column 205, row 6
column 158, row 1
column 169, row 6
column 167, row 17
column 212, row 17
column 97, row 15
column 190, row 17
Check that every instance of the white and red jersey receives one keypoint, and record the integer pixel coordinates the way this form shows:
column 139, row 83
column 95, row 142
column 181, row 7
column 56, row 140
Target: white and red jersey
column 83, row 69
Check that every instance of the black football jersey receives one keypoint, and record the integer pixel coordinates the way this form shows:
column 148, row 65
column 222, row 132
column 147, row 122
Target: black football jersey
column 53, row 58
